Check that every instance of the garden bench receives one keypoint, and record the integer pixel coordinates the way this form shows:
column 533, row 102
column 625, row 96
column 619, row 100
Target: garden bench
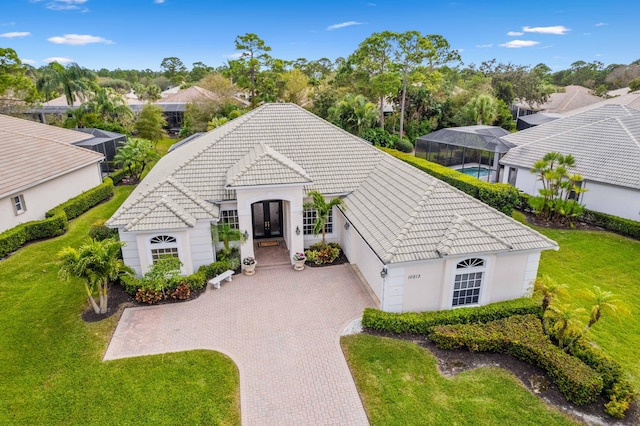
column 226, row 275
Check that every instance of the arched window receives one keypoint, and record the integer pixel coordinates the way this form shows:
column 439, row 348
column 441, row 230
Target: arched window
column 163, row 245
column 468, row 281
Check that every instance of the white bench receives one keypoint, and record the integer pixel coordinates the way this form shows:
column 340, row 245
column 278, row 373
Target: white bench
column 226, row 275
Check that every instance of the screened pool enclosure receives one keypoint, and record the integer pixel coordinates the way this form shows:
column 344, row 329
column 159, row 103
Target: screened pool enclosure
column 473, row 150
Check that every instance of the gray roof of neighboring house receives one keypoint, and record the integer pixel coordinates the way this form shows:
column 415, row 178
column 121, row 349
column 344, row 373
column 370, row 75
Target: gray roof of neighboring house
column 403, row 213
column 630, row 99
column 539, row 118
column 572, row 98
column 604, row 141
column 32, row 153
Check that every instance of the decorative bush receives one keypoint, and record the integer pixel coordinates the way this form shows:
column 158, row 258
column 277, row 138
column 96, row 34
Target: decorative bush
column 118, row 176
column 181, row 292
column 99, row 231
column 322, row 254
column 83, row 202
column 403, row 145
column 148, row 295
column 379, row 137
column 522, row 337
column 195, row 281
column 423, row 322
column 617, row 224
column 12, row 239
column 500, row 196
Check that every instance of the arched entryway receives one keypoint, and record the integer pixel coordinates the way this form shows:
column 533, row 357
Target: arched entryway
column 267, row 219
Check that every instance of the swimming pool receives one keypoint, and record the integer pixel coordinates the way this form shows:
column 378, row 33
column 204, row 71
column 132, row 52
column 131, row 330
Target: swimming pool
column 477, row 172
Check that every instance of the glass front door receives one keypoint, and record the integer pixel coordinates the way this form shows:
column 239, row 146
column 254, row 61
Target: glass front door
column 267, row 219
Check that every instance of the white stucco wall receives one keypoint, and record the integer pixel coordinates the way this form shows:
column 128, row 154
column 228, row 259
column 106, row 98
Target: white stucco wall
column 428, row 285
column 195, row 247
column 45, row 196
column 600, row 197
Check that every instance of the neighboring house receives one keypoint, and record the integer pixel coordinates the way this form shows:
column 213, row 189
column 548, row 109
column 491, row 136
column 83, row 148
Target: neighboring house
column 605, row 142
column 40, row 168
column 571, row 98
column 419, row 243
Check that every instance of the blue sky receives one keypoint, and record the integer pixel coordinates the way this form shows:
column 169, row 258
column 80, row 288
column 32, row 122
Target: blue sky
column 140, row 33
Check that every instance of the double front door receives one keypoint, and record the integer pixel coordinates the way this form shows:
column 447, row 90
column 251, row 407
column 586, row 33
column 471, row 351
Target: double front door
column 267, row 219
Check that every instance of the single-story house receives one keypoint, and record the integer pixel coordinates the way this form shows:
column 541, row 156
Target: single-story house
column 419, row 243
column 605, row 142
column 40, row 168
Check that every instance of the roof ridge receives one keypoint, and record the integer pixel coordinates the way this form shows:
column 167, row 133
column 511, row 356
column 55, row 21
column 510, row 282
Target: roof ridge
column 208, row 207
column 173, row 207
column 444, row 246
column 624, row 127
column 411, row 220
column 90, row 136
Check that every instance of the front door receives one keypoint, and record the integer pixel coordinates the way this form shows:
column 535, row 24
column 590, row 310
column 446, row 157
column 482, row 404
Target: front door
column 267, row 219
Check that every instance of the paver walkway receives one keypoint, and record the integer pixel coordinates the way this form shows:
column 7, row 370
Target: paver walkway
column 282, row 329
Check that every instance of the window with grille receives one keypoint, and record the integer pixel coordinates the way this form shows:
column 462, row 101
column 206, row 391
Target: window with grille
column 162, row 246
column 468, row 282
column 18, row 204
column 230, row 217
column 309, row 221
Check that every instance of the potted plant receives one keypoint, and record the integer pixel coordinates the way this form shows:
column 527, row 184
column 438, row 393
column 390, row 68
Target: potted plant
column 299, row 259
column 249, row 265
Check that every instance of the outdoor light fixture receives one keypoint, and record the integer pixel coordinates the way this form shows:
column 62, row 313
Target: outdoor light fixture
column 346, row 226
column 246, row 234
column 383, row 273
column 297, row 230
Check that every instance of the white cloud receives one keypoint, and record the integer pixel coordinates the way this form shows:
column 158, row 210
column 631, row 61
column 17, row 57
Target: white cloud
column 484, row 46
column 67, row 5
column 557, row 29
column 15, row 34
column 58, row 59
column 158, row 1
column 601, row 24
column 371, row 4
column 78, row 39
column 517, row 44
column 343, row 25
column 237, row 55
column 29, row 61
column 7, row 24
column 514, row 33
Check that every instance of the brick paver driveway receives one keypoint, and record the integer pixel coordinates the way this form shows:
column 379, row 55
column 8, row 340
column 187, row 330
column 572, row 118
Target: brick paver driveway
column 281, row 328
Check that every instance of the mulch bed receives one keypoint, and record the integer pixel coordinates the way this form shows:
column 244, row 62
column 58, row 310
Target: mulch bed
column 453, row 362
column 533, row 220
column 340, row 260
column 120, row 299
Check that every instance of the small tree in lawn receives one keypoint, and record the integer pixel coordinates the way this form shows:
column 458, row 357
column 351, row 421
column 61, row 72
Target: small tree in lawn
column 558, row 197
column 96, row 263
column 150, row 123
column 322, row 209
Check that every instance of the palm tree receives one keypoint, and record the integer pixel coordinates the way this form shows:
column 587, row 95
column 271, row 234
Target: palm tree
column 354, row 114
column 225, row 233
column 73, row 80
column 97, row 263
column 135, row 155
column 549, row 289
column 567, row 323
column 109, row 105
column 322, row 209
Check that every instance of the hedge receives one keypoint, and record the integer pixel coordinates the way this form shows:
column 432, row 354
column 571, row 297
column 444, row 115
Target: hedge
column 119, row 175
column 522, row 337
column 423, row 322
column 627, row 227
column 56, row 220
column 501, row 196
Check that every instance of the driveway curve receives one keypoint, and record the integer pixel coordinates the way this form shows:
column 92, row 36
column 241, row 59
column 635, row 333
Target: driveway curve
column 282, row 329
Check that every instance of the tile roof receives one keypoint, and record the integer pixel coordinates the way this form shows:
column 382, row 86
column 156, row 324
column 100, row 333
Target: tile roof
column 402, row 213
column 572, row 98
column 31, row 153
column 604, row 141
column 264, row 165
column 406, row 215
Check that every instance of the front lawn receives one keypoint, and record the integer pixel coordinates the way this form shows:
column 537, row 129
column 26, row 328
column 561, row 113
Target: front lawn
column 51, row 361
column 400, row 385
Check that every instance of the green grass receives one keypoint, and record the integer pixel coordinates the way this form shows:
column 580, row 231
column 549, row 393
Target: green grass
column 50, row 359
column 610, row 261
column 163, row 145
column 400, row 385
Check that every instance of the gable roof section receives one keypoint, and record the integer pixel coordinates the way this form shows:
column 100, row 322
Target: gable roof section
column 264, row 165
column 140, row 209
column 164, row 211
column 32, row 153
column 406, row 215
column 604, row 141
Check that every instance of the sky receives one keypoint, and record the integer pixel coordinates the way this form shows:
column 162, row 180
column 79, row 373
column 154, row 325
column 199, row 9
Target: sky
column 138, row 34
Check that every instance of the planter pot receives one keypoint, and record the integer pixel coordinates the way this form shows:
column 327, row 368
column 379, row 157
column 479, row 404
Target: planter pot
column 298, row 265
column 249, row 269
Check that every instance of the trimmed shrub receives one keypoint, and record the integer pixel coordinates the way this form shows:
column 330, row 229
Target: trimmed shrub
column 423, row 322
column 12, row 239
column 99, row 231
column 52, row 226
column 130, row 283
column 617, row 224
column 403, row 145
column 500, row 196
column 196, row 281
column 83, row 202
column 215, row 268
column 522, row 337
column 117, row 176
column 378, row 137
column 322, row 254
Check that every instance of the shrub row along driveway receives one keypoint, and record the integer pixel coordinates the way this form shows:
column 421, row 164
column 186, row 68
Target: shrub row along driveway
column 282, row 329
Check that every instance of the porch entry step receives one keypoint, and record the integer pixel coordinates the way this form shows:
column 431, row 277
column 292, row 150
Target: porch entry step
column 272, row 243
column 226, row 275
